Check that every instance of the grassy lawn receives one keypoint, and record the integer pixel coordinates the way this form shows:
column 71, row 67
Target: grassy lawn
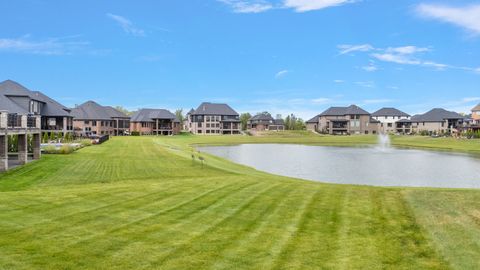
column 142, row 203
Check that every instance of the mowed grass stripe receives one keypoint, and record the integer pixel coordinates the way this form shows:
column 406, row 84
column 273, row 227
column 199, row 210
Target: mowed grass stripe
column 136, row 203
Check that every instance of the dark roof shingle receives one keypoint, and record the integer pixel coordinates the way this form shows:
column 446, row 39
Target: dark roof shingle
column 390, row 112
column 436, row 115
column 13, row 89
column 341, row 111
column 148, row 115
column 207, row 108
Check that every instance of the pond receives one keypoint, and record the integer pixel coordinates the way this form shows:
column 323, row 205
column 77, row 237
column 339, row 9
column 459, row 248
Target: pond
column 376, row 166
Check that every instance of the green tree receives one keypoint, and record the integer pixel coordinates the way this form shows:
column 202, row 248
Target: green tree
column 180, row 116
column 287, row 122
column 123, row 110
column 52, row 136
column 45, row 137
column 244, row 120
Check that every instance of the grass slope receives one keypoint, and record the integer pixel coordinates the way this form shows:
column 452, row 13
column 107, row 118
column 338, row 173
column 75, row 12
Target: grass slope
column 141, row 203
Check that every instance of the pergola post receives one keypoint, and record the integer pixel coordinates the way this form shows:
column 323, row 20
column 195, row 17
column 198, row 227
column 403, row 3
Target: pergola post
column 3, row 153
column 22, row 149
column 36, row 146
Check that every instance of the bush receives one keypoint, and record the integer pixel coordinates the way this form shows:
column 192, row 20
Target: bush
column 85, row 142
column 50, row 149
column 135, row 133
column 66, row 149
column 45, row 137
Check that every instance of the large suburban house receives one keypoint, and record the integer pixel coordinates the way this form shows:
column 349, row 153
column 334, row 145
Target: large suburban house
column 155, row 122
column 265, row 121
column 90, row 118
column 392, row 120
column 54, row 117
column 214, row 118
column 344, row 121
column 437, row 121
column 476, row 114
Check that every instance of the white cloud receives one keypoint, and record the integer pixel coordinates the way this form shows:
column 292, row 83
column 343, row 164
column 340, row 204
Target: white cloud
column 281, row 73
column 367, row 84
column 127, row 25
column 470, row 99
column 371, row 67
column 467, row 17
column 338, row 81
column 243, row 6
column 395, row 58
column 405, row 55
column 345, row 49
column 407, row 49
column 319, row 101
column 309, row 5
column 49, row 46
column 258, row 6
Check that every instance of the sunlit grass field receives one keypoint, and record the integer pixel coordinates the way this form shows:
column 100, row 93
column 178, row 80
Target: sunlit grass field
column 144, row 203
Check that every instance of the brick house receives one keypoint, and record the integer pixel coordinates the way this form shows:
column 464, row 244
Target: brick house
column 155, row 122
column 90, row 118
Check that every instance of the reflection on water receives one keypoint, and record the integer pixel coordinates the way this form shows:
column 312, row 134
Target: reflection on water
column 378, row 166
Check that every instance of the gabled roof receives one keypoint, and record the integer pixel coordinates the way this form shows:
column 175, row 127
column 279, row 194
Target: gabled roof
column 52, row 108
column 476, row 108
column 265, row 116
column 191, row 111
column 207, row 108
column 91, row 110
column 149, row 115
column 10, row 89
column 114, row 113
column 8, row 105
column 313, row 120
column 436, row 115
column 390, row 112
column 342, row 111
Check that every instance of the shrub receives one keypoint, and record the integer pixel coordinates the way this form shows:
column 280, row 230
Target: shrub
column 66, row 149
column 85, row 142
column 45, row 137
column 135, row 133
column 50, row 149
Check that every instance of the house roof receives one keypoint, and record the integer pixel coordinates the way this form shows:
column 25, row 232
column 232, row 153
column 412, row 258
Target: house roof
column 114, row 113
column 191, row 111
column 265, row 116
column 10, row 89
column 207, row 108
column 374, row 121
column 52, row 108
column 476, row 108
column 91, row 110
column 390, row 112
column 436, row 115
column 404, row 121
column 279, row 122
column 148, row 115
column 341, row 111
column 314, row 119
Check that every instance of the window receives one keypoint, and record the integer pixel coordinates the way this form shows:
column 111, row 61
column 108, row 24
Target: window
column 199, row 131
column 86, row 122
column 208, row 131
column 389, row 125
column 200, row 124
column 94, row 123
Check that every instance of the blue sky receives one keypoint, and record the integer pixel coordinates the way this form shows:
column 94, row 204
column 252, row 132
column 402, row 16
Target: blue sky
column 284, row 56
